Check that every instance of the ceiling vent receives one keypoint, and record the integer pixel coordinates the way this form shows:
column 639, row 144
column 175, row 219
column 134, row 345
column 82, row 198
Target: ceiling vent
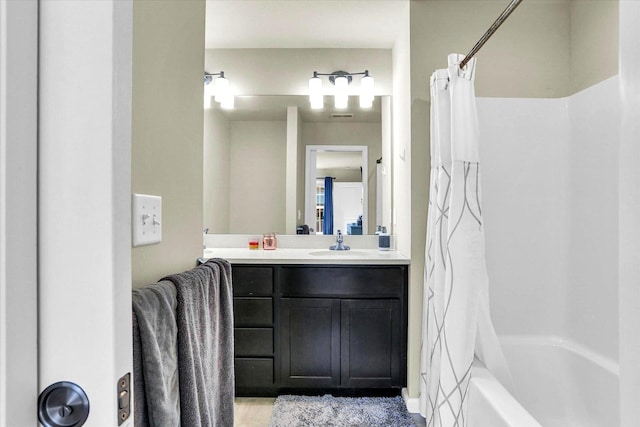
column 342, row 115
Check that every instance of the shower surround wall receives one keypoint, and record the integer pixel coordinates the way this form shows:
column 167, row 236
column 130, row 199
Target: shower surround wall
column 525, row 154
column 550, row 189
column 546, row 49
column 592, row 292
column 629, row 206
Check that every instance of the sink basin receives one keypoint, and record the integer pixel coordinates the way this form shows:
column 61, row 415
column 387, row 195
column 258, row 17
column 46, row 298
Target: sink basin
column 337, row 253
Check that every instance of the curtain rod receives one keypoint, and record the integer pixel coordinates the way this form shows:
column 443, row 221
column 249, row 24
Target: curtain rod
column 505, row 14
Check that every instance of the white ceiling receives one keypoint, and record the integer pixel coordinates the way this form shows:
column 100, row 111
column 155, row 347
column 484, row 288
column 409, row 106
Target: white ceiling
column 235, row 24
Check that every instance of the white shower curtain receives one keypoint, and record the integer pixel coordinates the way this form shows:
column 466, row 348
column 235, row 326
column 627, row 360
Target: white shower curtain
column 456, row 322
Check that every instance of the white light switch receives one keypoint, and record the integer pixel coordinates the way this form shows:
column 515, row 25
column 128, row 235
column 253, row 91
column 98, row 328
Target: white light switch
column 147, row 219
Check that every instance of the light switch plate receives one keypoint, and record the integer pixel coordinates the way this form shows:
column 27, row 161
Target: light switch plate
column 147, row 219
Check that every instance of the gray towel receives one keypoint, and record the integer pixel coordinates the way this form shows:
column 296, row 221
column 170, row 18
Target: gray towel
column 140, row 417
column 154, row 307
column 205, row 344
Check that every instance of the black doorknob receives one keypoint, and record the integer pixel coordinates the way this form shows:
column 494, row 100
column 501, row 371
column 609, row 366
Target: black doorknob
column 63, row 404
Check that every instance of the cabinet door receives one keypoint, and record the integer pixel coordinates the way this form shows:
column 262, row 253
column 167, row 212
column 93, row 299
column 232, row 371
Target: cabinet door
column 310, row 342
column 371, row 343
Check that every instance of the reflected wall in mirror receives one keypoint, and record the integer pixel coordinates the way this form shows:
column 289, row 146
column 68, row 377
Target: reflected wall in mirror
column 254, row 160
column 336, row 188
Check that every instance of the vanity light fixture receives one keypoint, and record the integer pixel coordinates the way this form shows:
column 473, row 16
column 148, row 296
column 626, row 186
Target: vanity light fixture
column 341, row 81
column 218, row 89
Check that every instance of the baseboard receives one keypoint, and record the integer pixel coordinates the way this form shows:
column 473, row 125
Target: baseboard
column 413, row 403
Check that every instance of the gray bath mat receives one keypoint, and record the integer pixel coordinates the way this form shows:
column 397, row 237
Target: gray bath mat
column 325, row 411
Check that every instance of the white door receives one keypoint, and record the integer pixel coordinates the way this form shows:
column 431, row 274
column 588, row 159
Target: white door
column 76, row 193
column 18, row 213
column 347, row 204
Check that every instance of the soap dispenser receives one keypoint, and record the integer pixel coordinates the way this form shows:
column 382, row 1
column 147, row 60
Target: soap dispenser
column 384, row 240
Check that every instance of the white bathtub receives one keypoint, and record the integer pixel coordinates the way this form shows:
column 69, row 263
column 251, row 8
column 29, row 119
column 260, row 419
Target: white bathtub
column 491, row 405
column 561, row 384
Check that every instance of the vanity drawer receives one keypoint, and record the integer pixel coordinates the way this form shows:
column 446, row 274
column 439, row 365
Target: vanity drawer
column 249, row 280
column 253, row 372
column 339, row 281
column 253, row 341
column 252, row 311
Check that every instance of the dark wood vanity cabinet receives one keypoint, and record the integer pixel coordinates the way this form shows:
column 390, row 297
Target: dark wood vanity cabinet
column 253, row 315
column 333, row 328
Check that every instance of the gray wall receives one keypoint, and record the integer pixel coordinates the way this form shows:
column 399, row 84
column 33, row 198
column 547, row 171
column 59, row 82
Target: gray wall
column 257, row 173
column 168, row 62
column 593, row 42
column 216, row 160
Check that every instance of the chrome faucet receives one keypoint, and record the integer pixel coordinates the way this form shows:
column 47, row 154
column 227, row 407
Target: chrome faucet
column 204, row 237
column 339, row 246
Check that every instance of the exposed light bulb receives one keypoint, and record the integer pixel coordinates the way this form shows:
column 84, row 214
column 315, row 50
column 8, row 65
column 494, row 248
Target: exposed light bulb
column 366, row 102
column 228, row 102
column 221, row 88
column 317, row 102
column 341, row 94
column 208, row 92
column 315, row 93
column 209, row 88
column 366, row 91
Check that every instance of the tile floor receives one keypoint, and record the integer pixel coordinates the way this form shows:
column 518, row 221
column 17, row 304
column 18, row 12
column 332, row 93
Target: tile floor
column 253, row 411
column 256, row 412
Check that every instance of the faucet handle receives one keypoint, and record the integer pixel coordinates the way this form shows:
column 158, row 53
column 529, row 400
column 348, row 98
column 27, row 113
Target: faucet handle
column 339, row 246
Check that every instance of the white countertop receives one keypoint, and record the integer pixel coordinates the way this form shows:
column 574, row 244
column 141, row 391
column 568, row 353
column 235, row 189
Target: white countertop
column 306, row 256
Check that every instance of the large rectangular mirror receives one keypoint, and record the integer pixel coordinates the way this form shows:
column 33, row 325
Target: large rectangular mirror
column 255, row 157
